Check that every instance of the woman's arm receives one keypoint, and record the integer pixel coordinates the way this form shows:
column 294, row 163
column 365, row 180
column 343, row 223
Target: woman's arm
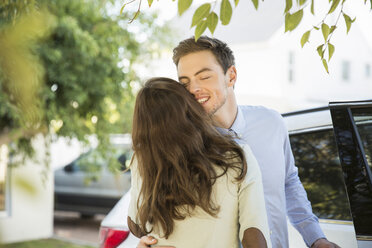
column 253, row 238
column 254, row 228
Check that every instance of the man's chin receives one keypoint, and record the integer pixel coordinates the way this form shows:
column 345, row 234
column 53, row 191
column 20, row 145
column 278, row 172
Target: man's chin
column 211, row 112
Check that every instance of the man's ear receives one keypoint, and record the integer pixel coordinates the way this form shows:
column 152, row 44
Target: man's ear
column 232, row 76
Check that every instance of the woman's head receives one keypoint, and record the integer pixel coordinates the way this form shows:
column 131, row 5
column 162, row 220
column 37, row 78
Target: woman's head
column 166, row 114
column 177, row 149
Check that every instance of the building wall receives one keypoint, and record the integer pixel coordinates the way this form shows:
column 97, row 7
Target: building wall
column 30, row 212
column 312, row 85
column 262, row 48
column 264, row 68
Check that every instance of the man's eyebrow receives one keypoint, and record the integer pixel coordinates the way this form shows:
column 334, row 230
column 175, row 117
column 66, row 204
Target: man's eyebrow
column 198, row 72
column 182, row 77
column 202, row 70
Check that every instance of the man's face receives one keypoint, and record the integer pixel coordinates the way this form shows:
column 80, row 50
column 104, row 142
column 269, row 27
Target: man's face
column 203, row 77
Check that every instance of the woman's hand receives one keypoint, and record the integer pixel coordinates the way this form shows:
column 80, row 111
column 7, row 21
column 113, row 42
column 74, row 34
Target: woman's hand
column 147, row 241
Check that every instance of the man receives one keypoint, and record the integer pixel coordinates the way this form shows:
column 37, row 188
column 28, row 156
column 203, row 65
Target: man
column 207, row 69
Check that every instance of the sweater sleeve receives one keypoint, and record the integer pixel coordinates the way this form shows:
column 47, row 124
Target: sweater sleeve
column 252, row 210
column 134, row 192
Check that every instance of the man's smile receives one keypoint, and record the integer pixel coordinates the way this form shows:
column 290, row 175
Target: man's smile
column 202, row 100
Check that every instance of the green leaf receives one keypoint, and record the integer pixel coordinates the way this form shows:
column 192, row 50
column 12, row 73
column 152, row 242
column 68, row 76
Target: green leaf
column 320, row 51
column 348, row 22
column 200, row 28
column 212, row 21
column 325, row 65
column 183, row 5
column 292, row 20
column 225, row 12
column 316, row 27
column 236, row 2
column 200, row 13
column 302, row 2
column 255, row 3
column 333, row 6
column 134, row 17
column 288, row 5
column 305, row 38
column 331, row 50
column 122, row 8
column 312, row 7
column 150, row 2
column 325, row 31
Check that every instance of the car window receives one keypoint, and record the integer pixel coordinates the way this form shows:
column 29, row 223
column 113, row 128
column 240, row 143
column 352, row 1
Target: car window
column 352, row 128
column 320, row 172
column 363, row 121
column 115, row 159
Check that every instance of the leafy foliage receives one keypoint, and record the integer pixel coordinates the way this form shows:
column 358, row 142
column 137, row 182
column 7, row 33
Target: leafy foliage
column 292, row 20
column 67, row 67
column 183, row 5
column 336, row 7
column 10, row 10
column 204, row 16
column 225, row 12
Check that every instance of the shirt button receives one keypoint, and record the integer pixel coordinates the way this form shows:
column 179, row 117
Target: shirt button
column 271, row 232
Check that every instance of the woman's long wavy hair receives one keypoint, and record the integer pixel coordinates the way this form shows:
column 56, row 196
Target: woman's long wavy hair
column 177, row 148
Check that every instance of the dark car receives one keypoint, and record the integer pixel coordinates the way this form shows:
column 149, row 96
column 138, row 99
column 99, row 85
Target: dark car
column 89, row 185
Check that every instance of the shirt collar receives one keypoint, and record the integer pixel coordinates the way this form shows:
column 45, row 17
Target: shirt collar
column 239, row 123
column 237, row 126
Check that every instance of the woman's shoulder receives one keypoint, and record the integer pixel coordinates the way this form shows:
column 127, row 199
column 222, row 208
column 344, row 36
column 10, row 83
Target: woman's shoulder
column 253, row 169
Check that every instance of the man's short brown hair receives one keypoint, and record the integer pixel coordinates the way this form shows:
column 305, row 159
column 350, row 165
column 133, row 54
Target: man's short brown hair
column 220, row 50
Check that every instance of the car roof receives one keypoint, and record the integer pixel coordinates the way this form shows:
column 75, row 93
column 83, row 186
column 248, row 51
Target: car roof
column 121, row 140
column 308, row 120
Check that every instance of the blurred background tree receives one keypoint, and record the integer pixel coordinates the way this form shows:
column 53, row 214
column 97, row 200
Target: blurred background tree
column 67, row 68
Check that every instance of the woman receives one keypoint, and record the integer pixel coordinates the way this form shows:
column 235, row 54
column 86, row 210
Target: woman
column 191, row 185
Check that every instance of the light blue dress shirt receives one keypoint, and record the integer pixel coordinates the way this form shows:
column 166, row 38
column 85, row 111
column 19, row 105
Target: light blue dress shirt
column 265, row 132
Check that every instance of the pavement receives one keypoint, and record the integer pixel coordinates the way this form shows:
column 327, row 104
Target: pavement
column 69, row 226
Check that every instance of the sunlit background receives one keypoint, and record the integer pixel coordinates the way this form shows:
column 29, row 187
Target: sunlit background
column 273, row 69
column 70, row 70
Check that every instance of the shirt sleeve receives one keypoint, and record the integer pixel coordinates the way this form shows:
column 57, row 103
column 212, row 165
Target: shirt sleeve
column 299, row 209
column 252, row 210
column 134, row 191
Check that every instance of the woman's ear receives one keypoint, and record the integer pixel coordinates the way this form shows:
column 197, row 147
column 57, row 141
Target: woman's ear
column 232, row 76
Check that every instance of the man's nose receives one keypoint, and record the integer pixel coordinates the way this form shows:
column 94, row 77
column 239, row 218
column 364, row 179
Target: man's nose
column 194, row 87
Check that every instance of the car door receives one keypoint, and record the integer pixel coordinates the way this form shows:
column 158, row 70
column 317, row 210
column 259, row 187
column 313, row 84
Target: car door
column 315, row 152
column 352, row 123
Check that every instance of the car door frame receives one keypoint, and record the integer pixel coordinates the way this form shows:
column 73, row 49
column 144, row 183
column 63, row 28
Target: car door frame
column 357, row 173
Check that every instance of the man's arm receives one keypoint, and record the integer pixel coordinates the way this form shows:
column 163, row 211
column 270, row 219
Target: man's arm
column 253, row 238
column 299, row 209
column 324, row 243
